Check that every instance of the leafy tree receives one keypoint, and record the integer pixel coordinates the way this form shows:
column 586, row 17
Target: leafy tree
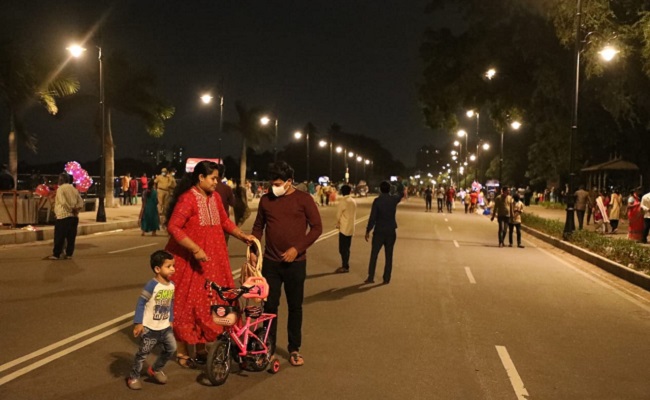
column 253, row 133
column 24, row 81
column 130, row 90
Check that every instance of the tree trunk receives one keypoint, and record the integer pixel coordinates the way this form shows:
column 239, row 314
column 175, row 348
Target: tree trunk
column 109, row 161
column 242, row 164
column 13, row 150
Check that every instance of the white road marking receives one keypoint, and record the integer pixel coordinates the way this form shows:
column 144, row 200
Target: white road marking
column 456, row 243
column 449, row 227
column 470, row 276
column 64, row 342
column 62, row 353
column 99, row 336
column 133, row 248
column 105, row 232
column 515, row 379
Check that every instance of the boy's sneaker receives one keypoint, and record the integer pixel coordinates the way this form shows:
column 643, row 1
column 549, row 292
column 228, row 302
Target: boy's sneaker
column 158, row 376
column 133, row 384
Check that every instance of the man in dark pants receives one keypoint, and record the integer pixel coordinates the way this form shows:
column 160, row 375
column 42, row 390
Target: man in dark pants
column 382, row 221
column 501, row 210
column 581, row 205
column 67, row 204
column 346, row 213
column 284, row 214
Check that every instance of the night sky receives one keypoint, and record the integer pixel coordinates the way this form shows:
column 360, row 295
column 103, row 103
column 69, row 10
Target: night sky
column 355, row 63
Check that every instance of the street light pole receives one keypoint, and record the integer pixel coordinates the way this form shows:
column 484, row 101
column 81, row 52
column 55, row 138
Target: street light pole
column 307, row 140
column 275, row 142
column 501, row 160
column 569, row 223
column 220, row 126
column 101, row 208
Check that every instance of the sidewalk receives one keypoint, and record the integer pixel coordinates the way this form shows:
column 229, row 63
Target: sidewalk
column 123, row 217
column 560, row 215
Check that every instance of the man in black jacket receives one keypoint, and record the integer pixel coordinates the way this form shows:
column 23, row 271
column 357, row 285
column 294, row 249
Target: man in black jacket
column 382, row 220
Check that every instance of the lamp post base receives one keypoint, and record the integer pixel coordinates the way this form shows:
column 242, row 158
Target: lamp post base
column 569, row 223
column 101, row 211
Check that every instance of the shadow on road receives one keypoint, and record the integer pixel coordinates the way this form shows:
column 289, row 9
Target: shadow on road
column 320, row 275
column 337, row 293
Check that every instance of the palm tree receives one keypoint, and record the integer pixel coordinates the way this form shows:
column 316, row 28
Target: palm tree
column 253, row 133
column 25, row 80
column 130, row 90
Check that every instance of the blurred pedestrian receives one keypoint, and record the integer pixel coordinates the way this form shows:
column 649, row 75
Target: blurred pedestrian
column 516, row 210
column 133, row 191
column 149, row 219
column 383, row 225
column 645, row 206
column 616, row 203
column 225, row 191
column 635, row 216
column 601, row 219
column 440, row 197
column 451, row 197
column 240, row 209
column 196, row 222
column 593, row 194
column 126, row 193
column 501, row 210
column 154, row 317
column 165, row 185
column 291, row 223
column 582, row 203
column 428, row 198
column 67, row 204
column 346, row 213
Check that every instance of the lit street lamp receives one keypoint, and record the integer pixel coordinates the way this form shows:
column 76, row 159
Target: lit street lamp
column 490, row 73
column 608, row 53
column 484, row 146
column 298, row 135
column 265, row 121
column 324, row 143
column 207, row 99
column 460, row 134
column 343, row 151
column 76, row 51
column 514, row 125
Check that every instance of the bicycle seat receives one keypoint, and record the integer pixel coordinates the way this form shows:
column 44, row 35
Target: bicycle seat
column 260, row 289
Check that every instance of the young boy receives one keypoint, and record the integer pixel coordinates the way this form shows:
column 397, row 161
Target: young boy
column 154, row 316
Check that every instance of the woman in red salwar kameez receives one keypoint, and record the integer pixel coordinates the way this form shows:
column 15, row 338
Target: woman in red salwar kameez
column 634, row 216
column 196, row 224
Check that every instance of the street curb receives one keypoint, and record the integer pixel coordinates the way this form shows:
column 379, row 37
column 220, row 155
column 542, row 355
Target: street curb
column 24, row 236
column 635, row 277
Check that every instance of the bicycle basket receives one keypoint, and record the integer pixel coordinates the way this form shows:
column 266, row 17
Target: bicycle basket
column 224, row 315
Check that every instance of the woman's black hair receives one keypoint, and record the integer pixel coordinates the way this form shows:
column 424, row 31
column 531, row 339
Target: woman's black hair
column 204, row 168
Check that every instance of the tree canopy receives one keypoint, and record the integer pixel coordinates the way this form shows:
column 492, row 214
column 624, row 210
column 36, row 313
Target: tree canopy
column 530, row 45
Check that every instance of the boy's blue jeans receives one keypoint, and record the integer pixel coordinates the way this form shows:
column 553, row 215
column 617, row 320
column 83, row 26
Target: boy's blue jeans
column 148, row 340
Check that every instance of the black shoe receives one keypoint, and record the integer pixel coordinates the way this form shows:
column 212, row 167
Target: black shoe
column 510, row 245
column 342, row 270
column 385, row 282
column 500, row 244
column 520, row 246
column 369, row 281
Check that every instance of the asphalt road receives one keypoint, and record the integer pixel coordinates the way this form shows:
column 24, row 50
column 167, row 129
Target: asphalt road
column 461, row 319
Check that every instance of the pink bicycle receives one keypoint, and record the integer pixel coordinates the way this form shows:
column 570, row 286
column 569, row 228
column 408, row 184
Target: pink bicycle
column 245, row 338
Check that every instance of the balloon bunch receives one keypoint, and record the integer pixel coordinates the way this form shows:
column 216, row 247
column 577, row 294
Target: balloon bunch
column 80, row 176
column 42, row 190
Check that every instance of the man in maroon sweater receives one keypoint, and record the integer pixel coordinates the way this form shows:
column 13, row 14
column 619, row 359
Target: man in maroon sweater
column 292, row 223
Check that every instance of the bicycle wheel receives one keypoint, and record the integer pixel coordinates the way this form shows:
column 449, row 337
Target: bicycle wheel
column 218, row 363
column 258, row 362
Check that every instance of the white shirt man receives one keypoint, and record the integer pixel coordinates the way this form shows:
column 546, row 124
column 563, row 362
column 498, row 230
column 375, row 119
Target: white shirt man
column 346, row 213
column 645, row 206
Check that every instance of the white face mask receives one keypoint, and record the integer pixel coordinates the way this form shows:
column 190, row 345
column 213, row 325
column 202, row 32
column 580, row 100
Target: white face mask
column 279, row 191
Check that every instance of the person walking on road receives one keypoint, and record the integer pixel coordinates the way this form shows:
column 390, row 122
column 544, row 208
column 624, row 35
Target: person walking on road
column 428, row 198
column 149, row 219
column 196, row 222
column 645, row 206
column 154, row 317
column 516, row 210
column 582, row 203
column 346, row 213
column 593, row 194
column 165, row 185
column 451, row 196
column 126, row 192
column 501, row 210
column 67, row 204
column 383, row 226
column 291, row 223
column 440, row 197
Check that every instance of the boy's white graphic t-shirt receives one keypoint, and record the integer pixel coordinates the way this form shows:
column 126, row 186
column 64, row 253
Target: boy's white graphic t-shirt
column 155, row 308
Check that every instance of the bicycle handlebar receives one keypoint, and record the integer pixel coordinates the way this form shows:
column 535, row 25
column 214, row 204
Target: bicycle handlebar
column 221, row 290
